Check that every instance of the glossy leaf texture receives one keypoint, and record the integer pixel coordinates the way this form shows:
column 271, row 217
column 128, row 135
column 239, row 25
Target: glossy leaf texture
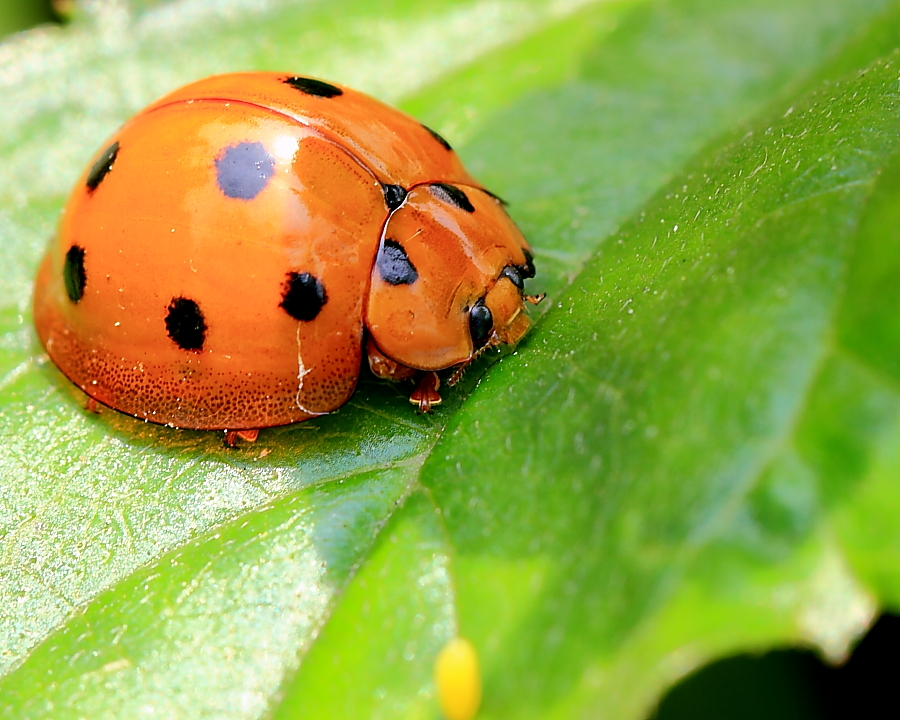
column 694, row 452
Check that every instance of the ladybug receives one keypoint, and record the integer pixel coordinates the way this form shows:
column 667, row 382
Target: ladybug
column 236, row 247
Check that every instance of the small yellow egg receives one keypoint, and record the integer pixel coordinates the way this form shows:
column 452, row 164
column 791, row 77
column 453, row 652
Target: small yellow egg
column 458, row 680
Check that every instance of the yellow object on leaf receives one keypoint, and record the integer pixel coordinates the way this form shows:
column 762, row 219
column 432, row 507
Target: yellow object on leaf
column 458, row 680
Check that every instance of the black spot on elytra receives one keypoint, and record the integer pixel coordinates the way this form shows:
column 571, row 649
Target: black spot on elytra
column 394, row 195
column 514, row 275
column 100, row 169
column 481, row 323
column 74, row 276
column 496, row 197
column 316, row 88
column 303, row 296
column 453, row 195
column 243, row 170
column 437, row 136
column 527, row 269
column 394, row 264
column 185, row 324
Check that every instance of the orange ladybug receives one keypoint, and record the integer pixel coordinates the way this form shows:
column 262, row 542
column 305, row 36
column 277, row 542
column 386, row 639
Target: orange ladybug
column 236, row 246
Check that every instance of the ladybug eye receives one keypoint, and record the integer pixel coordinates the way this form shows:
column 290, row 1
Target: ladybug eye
column 514, row 276
column 481, row 323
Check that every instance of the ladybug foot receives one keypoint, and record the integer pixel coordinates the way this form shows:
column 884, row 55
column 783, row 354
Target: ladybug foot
column 426, row 395
column 232, row 436
column 92, row 406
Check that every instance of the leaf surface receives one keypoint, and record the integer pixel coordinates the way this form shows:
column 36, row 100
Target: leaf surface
column 693, row 452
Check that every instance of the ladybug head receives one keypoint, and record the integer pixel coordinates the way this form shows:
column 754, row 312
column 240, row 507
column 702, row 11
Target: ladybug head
column 448, row 279
column 499, row 317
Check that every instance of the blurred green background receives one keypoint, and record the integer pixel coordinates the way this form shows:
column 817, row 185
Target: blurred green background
column 18, row 15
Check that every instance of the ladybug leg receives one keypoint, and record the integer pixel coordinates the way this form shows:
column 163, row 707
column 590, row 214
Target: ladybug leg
column 426, row 395
column 232, row 436
column 534, row 299
column 92, row 406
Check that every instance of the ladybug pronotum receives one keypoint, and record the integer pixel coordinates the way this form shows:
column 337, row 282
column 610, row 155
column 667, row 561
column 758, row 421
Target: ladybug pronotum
column 236, row 247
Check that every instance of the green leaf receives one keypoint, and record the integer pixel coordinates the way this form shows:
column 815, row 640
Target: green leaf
column 16, row 15
column 691, row 418
column 694, row 451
